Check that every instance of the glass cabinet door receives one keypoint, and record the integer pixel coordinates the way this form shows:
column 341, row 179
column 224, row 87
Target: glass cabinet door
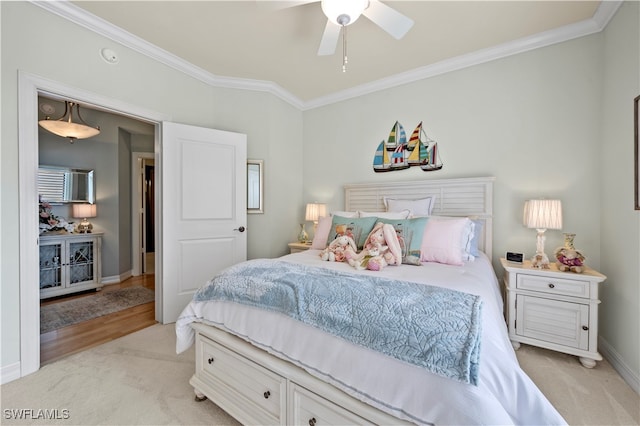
column 81, row 264
column 50, row 266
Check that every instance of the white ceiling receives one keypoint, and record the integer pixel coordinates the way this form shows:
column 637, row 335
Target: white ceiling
column 251, row 40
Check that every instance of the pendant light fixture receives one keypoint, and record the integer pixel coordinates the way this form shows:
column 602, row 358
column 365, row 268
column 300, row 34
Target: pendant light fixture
column 66, row 127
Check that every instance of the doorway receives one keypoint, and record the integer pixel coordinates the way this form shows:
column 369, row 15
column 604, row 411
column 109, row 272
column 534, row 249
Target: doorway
column 30, row 87
column 143, row 229
column 75, row 332
column 181, row 180
column 149, row 205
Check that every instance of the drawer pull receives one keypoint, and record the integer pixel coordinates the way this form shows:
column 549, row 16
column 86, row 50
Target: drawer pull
column 585, row 328
column 551, row 285
column 210, row 360
column 312, row 421
column 267, row 394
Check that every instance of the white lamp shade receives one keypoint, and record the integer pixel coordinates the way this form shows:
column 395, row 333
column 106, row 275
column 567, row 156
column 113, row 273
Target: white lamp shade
column 351, row 9
column 543, row 214
column 84, row 210
column 315, row 211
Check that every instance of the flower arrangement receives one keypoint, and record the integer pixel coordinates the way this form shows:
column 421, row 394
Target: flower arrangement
column 51, row 222
column 46, row 216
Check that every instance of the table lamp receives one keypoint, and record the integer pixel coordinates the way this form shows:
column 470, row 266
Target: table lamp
column 84, row 211
column 314, row 212
column 542, row 215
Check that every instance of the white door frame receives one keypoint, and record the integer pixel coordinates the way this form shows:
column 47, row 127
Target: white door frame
column 137, row 207
column 29, row 87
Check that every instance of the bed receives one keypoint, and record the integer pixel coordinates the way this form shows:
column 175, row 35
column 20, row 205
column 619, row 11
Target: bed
column 266, row 366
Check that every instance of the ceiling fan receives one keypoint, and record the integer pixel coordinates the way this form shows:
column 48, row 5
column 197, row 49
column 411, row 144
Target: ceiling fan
column 341, row 13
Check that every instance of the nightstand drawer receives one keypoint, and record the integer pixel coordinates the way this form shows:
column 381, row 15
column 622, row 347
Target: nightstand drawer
column 552, row 285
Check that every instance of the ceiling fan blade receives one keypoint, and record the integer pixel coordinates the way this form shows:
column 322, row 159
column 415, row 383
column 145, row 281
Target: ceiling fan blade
column 279, row 5
column 390, row 20
column 329, row 39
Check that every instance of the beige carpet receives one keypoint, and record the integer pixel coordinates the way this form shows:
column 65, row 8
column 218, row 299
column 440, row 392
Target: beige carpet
column 139, row 380
column 135, row 380
column 584, row 396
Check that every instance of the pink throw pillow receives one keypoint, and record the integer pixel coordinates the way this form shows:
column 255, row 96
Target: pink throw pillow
column 322, row 233
column 441, row 241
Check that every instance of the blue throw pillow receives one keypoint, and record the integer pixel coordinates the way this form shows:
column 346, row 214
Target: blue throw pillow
column 357, row 228
column 477, row 231
column 409, row 233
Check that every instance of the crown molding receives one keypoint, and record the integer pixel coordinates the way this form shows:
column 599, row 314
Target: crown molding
column 606, row 10
column 601, row 18
column 79, row 16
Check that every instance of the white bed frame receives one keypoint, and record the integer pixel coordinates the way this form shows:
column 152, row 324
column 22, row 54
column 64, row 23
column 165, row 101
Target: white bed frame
column 258, row 388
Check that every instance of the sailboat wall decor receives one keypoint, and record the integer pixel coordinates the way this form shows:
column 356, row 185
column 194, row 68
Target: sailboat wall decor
column 397, row 153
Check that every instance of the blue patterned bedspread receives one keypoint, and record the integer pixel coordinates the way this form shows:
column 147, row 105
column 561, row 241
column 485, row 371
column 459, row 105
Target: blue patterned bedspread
column 432, row 327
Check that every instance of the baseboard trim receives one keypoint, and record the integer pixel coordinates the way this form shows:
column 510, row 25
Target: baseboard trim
column 618, row 364
column 115, row 279
column 9, row 373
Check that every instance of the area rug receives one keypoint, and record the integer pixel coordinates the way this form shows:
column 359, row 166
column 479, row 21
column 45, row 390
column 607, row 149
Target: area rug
column 58, row 315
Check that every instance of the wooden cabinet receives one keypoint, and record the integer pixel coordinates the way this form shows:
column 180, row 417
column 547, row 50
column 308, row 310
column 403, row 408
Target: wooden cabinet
column 297, row 247
column 255, row 387
column 553, row 309
column 69, row 263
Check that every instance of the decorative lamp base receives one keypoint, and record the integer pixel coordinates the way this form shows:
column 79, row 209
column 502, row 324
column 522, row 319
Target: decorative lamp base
column 540, row 261
column 303, row 237
column 84, row 227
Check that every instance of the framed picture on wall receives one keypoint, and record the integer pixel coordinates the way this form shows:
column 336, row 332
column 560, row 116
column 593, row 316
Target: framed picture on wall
column 255, row 186
column 636, row 149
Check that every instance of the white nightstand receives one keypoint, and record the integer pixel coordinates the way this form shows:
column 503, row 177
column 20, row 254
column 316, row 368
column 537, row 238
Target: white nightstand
column 553, row 309
column 296, row 247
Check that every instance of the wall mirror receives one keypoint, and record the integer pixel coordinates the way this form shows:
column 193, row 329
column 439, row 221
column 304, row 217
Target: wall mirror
column 66, row 185
column 255, row 193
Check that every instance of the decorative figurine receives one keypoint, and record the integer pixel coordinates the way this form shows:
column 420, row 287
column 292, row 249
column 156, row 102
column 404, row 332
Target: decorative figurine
column 568, row 258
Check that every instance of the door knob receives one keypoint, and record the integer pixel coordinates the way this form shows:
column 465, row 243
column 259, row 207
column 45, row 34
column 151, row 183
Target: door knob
column 241, row 229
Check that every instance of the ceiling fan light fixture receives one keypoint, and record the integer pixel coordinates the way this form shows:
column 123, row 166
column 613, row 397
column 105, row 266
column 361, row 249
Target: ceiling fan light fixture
column 66, row 128
column 343, row 12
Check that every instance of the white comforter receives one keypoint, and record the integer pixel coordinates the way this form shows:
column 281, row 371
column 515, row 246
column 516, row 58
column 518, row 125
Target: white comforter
column 504, row 395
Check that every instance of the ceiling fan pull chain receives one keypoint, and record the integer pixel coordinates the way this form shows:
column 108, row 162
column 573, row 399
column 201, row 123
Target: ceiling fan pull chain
column 344, row 48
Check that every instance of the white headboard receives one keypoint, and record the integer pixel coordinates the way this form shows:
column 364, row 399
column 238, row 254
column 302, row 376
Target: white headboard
column 472, row 197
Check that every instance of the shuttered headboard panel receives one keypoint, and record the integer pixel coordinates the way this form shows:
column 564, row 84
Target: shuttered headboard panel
column 472, row 197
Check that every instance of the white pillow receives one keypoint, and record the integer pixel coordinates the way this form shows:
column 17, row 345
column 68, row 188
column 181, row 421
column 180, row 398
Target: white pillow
column 466, row 236
column 442, row 241
column 420, row 207
column 344, row 214
column 403, row 214
column 322, row 233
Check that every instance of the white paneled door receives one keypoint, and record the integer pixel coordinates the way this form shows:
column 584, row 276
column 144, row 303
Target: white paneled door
column 203, row 209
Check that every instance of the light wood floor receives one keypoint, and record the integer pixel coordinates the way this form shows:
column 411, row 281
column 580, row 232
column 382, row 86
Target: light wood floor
column 59, row 343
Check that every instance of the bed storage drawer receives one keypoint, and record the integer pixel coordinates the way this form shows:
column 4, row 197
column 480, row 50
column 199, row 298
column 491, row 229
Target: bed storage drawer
column 307, row 408
column 257, row 392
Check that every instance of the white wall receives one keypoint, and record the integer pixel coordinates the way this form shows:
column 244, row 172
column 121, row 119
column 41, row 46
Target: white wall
column 536, row 122
column 273, row 128
column 620, row 224
column 530, row 120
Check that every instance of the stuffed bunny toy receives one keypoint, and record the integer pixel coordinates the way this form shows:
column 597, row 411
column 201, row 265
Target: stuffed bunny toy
column 338, row 249
column 381, row 248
